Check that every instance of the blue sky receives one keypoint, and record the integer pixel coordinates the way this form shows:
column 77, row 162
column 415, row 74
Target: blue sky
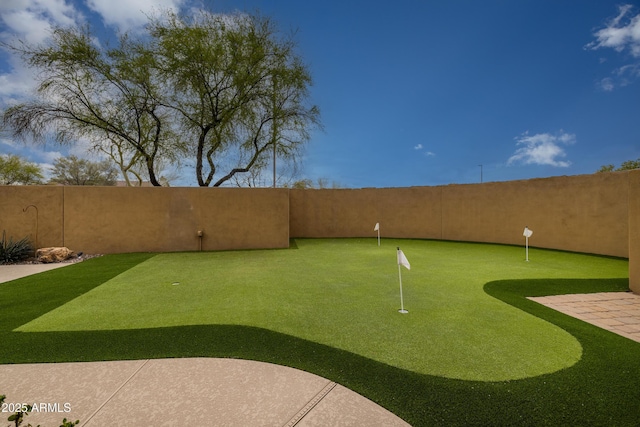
column 421, row 92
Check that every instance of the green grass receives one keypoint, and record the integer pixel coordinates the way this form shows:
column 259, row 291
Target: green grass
column 341, row 294
column 472, row 350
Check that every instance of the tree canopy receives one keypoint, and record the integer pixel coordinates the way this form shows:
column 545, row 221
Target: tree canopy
column 74, row 171
column 628, row 165
column 14, row 170
column 223, row 93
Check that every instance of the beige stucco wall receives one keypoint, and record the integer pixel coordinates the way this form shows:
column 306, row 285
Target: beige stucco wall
column 402, row 212
column 112, row 219
column 47, row 218
column 634, row 231
column 598, row 213
column 587, row 213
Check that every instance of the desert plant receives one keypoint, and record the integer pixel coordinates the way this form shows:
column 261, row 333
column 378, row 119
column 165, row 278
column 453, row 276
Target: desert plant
column 18, row 417
column 11, row 251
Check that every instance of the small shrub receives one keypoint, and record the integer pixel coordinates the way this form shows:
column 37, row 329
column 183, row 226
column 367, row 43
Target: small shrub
column 11, row 251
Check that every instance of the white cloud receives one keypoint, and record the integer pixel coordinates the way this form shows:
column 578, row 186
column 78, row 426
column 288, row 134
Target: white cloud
column 17, row 84
column 60, row 11
column 12, row 4
column 130, row 15
column 607, row 84
column 627, row 73
column 620, row 33
column 26, row 25
column 32, row 20
column 7, row 142
column 84, row 148
column 48, row 156
column 542, row 149
column 426, row 153
column 620, row 77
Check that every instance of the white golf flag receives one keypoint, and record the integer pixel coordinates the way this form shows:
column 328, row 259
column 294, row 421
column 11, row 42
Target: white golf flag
column 377, row 227
column 527, row 232
column 402, row 260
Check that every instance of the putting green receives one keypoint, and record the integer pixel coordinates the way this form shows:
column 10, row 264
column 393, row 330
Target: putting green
column 344, row 293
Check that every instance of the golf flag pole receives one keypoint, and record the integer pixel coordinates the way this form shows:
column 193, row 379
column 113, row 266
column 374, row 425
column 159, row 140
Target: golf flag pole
column 402, row 260
column 377, row 228
column 527, row 233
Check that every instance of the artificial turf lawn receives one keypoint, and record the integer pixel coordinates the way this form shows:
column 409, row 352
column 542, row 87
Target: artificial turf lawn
column 596, row 390
column 344, row 294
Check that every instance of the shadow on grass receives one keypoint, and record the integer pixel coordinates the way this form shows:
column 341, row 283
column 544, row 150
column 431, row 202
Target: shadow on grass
column 25, row 299
column 601, row 389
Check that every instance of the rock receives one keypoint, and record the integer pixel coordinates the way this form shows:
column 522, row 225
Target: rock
column 55, row 254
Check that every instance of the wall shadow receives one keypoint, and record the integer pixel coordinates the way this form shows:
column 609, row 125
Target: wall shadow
column 601, row 389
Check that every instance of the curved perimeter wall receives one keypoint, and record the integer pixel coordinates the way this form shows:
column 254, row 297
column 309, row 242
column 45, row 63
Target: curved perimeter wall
column 586, row 213
column 598, row 213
